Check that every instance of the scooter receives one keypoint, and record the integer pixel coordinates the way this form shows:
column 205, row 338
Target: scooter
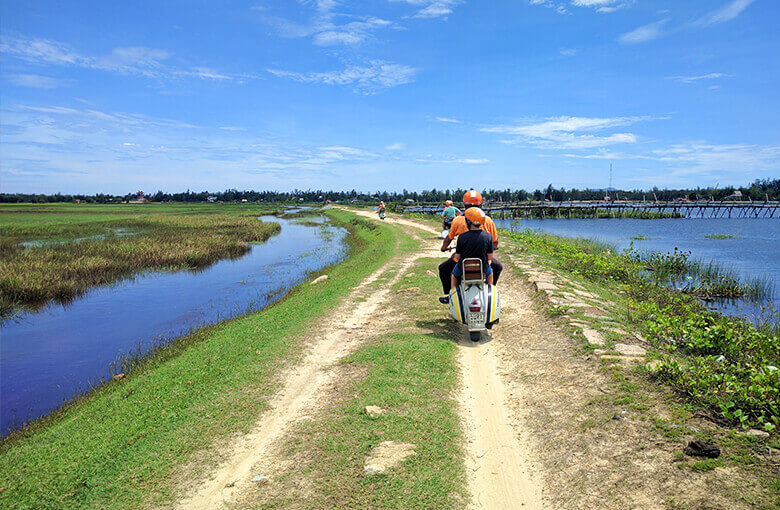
column 473, row 302
column 381, row 215
column 446, row 226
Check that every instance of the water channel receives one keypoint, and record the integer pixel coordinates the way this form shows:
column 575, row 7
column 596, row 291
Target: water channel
column 49, row 356
column 752, row 252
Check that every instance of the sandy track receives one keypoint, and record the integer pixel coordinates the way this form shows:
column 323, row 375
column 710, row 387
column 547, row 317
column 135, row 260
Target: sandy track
column 498, row 453
column 497, row 456
column 342, row 334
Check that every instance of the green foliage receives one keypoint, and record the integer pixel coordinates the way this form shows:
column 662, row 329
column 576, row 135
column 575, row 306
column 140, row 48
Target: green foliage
column 124, row 445
column 719, row 362
column 77, row 248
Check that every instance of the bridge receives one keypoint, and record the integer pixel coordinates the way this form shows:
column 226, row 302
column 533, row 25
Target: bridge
column 617, row 209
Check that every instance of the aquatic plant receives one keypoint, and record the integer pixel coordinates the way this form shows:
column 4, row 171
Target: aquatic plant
column 721, row 236
column 29, row 278
column 721, row 363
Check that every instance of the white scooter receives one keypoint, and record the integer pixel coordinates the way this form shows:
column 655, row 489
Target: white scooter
column 473, row 302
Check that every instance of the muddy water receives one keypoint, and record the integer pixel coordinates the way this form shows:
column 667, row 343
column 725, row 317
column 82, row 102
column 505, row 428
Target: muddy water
column 49, row 356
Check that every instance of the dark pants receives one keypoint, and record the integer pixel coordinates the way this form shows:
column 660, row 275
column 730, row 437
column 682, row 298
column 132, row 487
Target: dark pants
column 446, row 267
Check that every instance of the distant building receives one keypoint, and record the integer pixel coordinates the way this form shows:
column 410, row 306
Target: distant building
column 140, row 198
column 212, row 199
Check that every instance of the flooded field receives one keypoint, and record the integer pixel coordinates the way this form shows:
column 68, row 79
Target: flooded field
column 748, row 246
column 49, row 356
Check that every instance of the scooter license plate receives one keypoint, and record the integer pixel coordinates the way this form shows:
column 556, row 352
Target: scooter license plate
column 476, row 320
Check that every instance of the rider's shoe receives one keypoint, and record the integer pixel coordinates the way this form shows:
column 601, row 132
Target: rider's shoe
column 445, row 300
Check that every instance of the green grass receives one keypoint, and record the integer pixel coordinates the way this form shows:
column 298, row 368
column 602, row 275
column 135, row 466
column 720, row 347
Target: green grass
column 77, row 247
column 125, row 444
column 721, row 236
column 413, row 375
column 640, row 238
column 717, row 362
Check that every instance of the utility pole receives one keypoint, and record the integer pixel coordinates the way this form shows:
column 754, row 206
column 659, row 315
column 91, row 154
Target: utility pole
column 606, row 196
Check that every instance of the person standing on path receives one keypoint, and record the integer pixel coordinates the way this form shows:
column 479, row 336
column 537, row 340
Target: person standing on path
column 472, row 198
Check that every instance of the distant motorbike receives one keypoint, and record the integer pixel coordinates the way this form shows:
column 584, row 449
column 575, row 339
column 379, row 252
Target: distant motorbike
column 381, row 215
column 473, row 302
column 446, row 229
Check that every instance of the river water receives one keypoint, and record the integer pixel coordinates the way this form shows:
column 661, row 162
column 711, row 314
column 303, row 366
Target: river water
column 753, row 253
column 49, row 356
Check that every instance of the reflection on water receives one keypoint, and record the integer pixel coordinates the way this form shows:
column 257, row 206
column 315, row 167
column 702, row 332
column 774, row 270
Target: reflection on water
column 48, row 356
column 752, row 253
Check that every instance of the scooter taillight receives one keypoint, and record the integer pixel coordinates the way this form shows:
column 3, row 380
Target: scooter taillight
column 474, row 306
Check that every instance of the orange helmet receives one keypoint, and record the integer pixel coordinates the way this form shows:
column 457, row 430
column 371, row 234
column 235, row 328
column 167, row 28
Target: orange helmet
column 472, row 197
column 475, row 215
column 448, row 203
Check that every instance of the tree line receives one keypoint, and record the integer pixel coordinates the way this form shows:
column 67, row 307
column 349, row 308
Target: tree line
column 758, row 190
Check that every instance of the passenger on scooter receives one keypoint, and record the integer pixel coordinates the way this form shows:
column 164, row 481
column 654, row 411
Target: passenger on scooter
column 472, row 198
column 449, row 214
column 474, row 243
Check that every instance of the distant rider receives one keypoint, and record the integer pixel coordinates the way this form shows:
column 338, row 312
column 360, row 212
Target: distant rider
column 474, row 243
column 449, row 214
column 472, row 198
column 381, row 208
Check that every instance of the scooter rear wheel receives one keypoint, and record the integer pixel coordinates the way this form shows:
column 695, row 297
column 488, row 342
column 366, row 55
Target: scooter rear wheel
column 475, row 335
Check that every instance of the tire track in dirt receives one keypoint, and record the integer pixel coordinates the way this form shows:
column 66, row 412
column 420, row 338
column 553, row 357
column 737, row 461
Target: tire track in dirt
column 343, row 334
column 498, row 453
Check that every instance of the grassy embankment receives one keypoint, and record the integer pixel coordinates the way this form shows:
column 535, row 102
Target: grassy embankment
column 76, row 247
column 596, row 214
column 134, row 441
column 411, row 372
column 719, row 363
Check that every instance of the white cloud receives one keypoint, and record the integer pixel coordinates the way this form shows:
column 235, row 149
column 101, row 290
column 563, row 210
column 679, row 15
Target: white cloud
column 565, row 132
column 370, row 78
column 558, row 7
column 450, row 161
column 694, row 79
column 603, row 6
column 700, row 155
column 397, row 146
column 139, row 60
column 36, row 81
column 644, row 33
column 350, row 33
column 432, row 8
column 448, row 119
column 725, row 13
column 568, row 52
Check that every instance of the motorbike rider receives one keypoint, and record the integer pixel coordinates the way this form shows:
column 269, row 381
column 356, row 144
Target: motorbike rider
column 472, row 198
column 474, row 243
column 449, row 214
column 381, row 208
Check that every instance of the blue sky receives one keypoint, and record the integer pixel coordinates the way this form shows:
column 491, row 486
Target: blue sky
column 386, row 94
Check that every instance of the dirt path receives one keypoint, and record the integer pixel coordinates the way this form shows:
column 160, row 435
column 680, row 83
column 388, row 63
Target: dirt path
column 496, row 456
column 300, row 387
